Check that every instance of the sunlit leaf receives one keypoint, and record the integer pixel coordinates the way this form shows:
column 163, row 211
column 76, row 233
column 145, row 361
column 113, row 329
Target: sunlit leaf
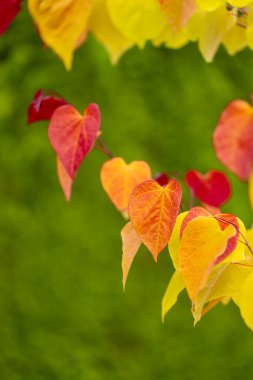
column 202, row 243
column 246, row 301
column 65, row 180
column 72, row 135
column 119, row 179
column 174, row 288
column 178, row 12
column 131, row 243
column 174, row 242
column 60, row 24
column 233, row 138
column 153, row 211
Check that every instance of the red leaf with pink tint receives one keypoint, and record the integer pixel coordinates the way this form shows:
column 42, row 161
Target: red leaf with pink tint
column 72, row 135
column 233, row 138
column 8, row 11
column 228, row 219
column 212, row 188
column 65, row 180
column 162, row 179
column 43, row 106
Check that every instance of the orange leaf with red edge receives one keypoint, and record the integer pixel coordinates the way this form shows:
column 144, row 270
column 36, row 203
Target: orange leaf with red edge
column 192, row 214
column 202, row 243
column 153, row 210
column 65, row 180
column 233, row 138
column 72, row 135
column 131, row 243
column 178, row 12
column 119, row 179
column 224, row 221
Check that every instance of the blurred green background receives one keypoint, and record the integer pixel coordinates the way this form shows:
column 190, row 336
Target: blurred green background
column 63, row 314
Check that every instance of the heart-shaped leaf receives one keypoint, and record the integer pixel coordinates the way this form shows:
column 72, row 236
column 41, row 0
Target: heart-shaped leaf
column 233, row 138
column 212, row 188
column 65, row 180
column 72, row 135
column 43, row 106
column 119, row 179
column 153, row 211
column 60, row 24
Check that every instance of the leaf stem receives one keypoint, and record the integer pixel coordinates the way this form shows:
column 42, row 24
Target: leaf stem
column 103, row 148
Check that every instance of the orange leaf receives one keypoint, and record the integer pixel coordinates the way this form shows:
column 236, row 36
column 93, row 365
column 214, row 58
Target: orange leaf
column 72, row 135
column 178, row 12
column 65, row 180
column 119, row 179
column 131, row 244
column 233, row 138
column 192, row 214
column 153, row 211
column 202, row 243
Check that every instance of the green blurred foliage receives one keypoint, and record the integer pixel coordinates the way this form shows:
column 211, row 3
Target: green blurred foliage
column 63, row 314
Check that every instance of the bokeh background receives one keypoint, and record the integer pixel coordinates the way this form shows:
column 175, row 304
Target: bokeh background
column 63, row 314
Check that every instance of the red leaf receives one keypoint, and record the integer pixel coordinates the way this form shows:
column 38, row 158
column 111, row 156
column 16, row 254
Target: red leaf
column 162, row 179
column 233, row 138
column 8, row 11
column 212, row 188
column 72, row 135
column 232, row 242
column 43, row 106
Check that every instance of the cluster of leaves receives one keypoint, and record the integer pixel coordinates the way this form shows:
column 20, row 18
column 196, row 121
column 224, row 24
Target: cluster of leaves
column 210, row 250
column 63, row 25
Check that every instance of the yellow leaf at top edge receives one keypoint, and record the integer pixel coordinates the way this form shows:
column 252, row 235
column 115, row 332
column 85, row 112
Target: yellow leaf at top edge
column 60, row 24
column 138, row 20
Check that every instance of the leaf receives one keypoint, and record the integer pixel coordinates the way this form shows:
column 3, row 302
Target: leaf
column 202, row 243
column 119, row 179
column 101, row 25
column 246, row 301
column 233, row 138
column 65, row 180
column 212, row 188
column 251, row 188
column 162, row 179
column 43, row 106
column 60, row 24
column 138, row 20
column 178, row 12
column 174, row 242
column 131, row 244
column 153, row 211
column 8, row 11
column 226, row 220
column 72, row 135
column 209, row 5
column 192, row 214
column 174, row 288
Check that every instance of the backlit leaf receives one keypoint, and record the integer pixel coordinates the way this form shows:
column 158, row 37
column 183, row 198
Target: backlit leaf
column 178, row 12
column 174, row 288
column 72, row 135
column 60, row 24
column 65, row 180
column 202, row 243
column 119, row 179
column 233, row 138
column 246, row 301
column 153, row 211
column 43, row 106
column 131, row 244
column 212, row 188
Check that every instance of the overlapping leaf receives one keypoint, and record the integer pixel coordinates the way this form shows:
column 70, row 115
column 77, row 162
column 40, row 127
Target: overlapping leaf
column 119, row 179
column 153, row 211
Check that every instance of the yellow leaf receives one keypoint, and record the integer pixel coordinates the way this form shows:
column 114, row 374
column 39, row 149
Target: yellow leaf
column 105, row 31
column 202, row 243
column 60, row 24
column 210, row 5
column 131, row 244
column 176, row 285
column 175, row 240
column 138, row 20
column 246, row 301
column 178, row 12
